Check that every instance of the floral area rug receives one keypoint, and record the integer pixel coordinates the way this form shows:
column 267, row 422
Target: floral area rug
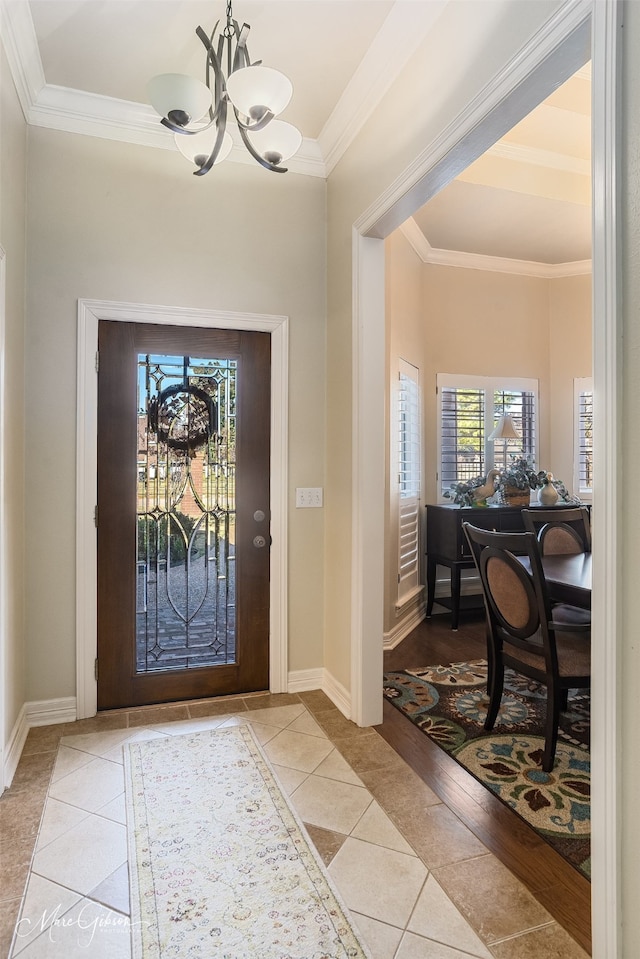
column 220, row 864
column 449, row 704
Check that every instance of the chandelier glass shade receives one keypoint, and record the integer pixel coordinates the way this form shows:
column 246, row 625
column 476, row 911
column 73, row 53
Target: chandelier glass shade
column 197, row 112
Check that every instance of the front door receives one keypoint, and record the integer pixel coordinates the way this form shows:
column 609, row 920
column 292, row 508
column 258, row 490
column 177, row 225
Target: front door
column 183, row 513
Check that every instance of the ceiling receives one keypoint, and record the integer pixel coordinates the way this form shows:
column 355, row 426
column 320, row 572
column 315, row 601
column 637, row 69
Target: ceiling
column 82, row 66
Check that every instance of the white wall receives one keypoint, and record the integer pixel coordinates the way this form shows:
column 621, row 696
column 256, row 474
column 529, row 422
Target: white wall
column 119, row 222
column 13, row 140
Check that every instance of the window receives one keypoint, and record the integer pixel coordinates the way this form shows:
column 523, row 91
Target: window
column 469, row 407
column 408, row 459
column 583, row 437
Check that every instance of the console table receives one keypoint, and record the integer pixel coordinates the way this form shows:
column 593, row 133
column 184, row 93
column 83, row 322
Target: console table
column 447, row 546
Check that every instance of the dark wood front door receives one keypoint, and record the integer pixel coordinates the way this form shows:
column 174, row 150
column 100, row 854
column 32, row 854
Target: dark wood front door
column 183, row 513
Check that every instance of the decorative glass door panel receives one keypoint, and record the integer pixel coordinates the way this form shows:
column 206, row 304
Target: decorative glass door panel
column 183, row 506
column 185, row 563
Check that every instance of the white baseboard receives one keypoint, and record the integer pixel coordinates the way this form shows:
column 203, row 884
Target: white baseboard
column 304, row 679
column 46, row 712
column 402, row 629
column 337, row 693
column 15, row 746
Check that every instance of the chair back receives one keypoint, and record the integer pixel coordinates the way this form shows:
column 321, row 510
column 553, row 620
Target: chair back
column 515, row 596
column 560, row 530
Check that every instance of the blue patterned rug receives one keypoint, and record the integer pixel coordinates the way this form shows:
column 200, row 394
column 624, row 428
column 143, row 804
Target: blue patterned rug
column 449, row 704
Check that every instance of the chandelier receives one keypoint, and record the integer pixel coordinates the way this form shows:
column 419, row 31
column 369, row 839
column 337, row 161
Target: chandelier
column 196, row 112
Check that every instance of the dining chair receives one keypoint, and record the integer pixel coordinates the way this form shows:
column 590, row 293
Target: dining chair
column 562, row 531
column 521, row 631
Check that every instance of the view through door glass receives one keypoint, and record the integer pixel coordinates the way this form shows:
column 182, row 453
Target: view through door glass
column 183, row 579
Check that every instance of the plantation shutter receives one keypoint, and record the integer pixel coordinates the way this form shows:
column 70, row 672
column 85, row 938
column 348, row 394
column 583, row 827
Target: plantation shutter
column 409, row 455
column 462, row 434
column 584, row 436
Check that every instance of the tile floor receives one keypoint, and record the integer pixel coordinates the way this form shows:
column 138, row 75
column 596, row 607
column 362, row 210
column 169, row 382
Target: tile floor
column 418, row 884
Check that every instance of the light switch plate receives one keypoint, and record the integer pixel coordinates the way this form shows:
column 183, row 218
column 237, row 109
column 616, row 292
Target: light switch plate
column 308, row 497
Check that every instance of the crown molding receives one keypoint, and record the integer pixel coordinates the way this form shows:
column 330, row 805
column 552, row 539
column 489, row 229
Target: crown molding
column 491, row 264
column 76, row 111
column 537, row 157
column 398, row 38
column 21, row 47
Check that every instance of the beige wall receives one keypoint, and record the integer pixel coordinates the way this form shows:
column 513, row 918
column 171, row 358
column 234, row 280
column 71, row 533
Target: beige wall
column 417, row 108
column 452, row 320
column 629, row 470
column 119, row 222
column 486, row 324
column 12, row 239
column 406, row 339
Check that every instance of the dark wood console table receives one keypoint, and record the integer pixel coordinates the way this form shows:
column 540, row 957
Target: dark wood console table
column 447, row 546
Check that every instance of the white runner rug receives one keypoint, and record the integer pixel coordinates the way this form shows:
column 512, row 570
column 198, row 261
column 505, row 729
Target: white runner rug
column 220, row 864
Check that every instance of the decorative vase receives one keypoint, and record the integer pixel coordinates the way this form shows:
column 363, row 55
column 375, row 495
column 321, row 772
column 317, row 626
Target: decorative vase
column 548, row 495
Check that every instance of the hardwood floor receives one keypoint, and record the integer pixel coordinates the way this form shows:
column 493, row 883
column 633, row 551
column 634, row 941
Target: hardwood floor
column 564, row 892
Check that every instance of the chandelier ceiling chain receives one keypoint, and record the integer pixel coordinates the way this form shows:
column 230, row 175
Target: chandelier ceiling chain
column 257, row 94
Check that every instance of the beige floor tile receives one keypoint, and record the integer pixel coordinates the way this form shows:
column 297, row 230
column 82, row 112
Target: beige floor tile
column 395, row 787
column 15, row 858
column 264, row 734
column 45, row 902
column 415, row 947
column 34, row 771
column 68, row 761
column 42, row 739
column 375, row 826
column 366, row 751
column 9, row 911
column 20, row 812
column 115, row 810
column 335, row 766
column 98, row 743
column 378, row 882
column 58, row 818
column 381, row 939
column 326, row 842
column 114, row 891
column 87, row 929
column 216, row 707
column 305, row 723
column 85, row 855
column 90, row 787
column 97, row 724
column 288, row 778
column 116, row 755
column 436, row 917
column 550, row 942
column 280, row 716
column 317, row 701
column 297, row 750
column 152, row 715
column 437, row 835
column 331, row 804
column 496, row 904
column 268, row 700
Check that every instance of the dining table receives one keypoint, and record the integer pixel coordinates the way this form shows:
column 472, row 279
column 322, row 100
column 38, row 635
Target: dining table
column 568, row 577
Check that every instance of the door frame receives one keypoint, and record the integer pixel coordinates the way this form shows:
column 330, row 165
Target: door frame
column 90, row 312
column 442, row 160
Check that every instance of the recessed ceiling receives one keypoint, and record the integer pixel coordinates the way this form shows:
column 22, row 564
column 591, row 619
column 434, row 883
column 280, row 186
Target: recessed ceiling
column 82, row 66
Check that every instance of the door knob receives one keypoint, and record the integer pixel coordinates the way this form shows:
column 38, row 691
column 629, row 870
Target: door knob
column 259, row 542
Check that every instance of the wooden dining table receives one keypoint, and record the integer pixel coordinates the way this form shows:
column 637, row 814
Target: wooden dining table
column 568, row 577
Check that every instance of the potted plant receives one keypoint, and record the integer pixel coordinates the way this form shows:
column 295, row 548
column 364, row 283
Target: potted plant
column 516, row 481
column 473, row 492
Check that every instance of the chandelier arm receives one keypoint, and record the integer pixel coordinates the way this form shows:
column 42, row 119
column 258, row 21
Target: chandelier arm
column 175, row 128
column 256, row 156
column 258, row 125
column 214, row 60
column 222, row 124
